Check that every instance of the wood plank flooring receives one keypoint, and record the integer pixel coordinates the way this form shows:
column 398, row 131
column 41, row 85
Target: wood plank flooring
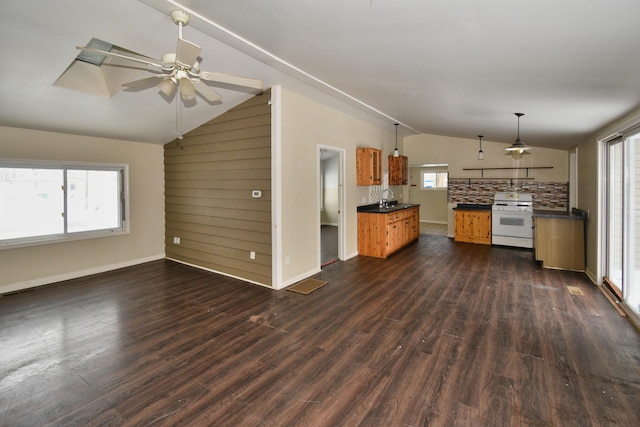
column 439, row 334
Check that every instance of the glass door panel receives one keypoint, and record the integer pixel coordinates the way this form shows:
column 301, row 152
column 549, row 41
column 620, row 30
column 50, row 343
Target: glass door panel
column 615, row 214
column 631, row 289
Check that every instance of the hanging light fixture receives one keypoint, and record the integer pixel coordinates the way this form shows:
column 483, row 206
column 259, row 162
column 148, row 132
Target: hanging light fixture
column 518, row 148
column 396, row 153
column 480, row 153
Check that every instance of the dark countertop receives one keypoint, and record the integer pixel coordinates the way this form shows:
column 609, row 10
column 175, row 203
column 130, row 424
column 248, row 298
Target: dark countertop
column 473, row 207
column 576, row 214
column 393, row 207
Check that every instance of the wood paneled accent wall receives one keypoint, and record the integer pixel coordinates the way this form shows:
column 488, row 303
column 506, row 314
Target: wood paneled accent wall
column 209, row 178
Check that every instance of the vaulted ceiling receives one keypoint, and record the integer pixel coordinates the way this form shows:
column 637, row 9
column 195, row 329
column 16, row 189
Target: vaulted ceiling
column 458, row 68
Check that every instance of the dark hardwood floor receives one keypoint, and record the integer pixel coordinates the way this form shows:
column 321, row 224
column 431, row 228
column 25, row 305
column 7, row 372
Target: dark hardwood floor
column 440, row 334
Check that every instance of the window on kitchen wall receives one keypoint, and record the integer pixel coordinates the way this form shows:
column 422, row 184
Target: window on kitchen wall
column 621, row 219
column 51, row 202
column 434, row 180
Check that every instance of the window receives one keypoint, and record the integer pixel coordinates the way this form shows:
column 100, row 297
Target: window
column 432, row 180
column 44, row 202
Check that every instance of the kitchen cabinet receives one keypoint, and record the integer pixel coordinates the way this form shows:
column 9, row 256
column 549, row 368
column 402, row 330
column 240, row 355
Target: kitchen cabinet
column 380, row 234
column 368, row 166
column 398, row 170
column 559, row 242
column 473, row 226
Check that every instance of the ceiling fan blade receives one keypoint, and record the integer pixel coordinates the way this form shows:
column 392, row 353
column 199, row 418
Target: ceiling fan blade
column 230, row 79
column 187, row 89
column 187, row 52
column 206, row 92
column 117, row 55
column 144, row 83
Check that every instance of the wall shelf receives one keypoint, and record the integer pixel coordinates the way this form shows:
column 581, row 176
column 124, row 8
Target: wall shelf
column 507, row 180
column 512, row 168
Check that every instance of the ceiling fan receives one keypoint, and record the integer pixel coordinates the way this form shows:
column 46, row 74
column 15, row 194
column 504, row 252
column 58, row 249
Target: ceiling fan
column 181, row 69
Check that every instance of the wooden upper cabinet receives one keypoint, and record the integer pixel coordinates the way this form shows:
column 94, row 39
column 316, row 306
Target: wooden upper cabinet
column 368, row 166
column 398, row 170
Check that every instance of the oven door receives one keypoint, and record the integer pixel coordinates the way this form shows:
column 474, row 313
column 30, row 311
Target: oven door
column 517, row 224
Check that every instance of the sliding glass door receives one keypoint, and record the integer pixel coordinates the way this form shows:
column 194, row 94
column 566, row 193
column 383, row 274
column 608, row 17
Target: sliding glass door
column 622, row 218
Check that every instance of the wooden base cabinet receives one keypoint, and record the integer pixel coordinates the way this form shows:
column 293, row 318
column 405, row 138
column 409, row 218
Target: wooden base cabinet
column 473, row 226
column 380, row 235
column 559, row 243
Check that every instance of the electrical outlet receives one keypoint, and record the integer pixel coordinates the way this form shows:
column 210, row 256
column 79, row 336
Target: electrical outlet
column 287, row 260
column 176, row 240
column 252, row 255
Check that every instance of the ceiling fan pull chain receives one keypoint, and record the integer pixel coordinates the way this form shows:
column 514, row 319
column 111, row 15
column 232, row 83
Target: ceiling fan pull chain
column 178, row 118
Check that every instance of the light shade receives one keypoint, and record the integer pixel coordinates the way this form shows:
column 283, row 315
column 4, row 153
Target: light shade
column 518, row 148
column 480, row 153
column 187, row 90
column 167, row 86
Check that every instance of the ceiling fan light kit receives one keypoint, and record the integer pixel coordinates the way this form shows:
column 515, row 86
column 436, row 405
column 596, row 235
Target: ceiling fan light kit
column 181, row 69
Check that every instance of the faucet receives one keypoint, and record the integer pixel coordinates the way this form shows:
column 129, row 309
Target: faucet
column 383, row 201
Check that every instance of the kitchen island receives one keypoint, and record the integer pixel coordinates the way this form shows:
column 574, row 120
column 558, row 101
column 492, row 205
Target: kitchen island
column 559, row 239
column 383, row 230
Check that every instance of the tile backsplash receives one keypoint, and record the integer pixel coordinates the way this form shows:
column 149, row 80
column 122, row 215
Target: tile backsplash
column 546, row 195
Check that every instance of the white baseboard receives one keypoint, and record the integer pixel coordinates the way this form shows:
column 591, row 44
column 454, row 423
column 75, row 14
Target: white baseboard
column 28, row 284
column 299, row 278
column 220, row 273
column 591, row 276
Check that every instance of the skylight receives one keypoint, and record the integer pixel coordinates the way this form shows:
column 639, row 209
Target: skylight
column 100, row 75
column 94, row 58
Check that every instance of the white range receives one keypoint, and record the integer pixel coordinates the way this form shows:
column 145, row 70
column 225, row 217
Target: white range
column 512, row 219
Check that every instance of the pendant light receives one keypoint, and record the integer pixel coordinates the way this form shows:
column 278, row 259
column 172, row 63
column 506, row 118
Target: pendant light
column 480, row 153
column 518, row 148
column 396, row 153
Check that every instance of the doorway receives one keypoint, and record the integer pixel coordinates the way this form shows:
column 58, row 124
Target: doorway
column 621, row 222
column 330, row 199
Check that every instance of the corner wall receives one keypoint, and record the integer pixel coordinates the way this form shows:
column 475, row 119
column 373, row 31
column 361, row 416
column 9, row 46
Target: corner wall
column 211, row 175
column 31, row 266
column 307, row 124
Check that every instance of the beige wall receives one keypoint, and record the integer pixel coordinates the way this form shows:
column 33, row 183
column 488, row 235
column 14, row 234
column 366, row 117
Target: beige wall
column 36, row 265
column 461, row 153
column 306, row 125
column 329, row 214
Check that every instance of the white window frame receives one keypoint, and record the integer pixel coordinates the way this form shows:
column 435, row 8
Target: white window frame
column 66, row 236
column 436, row 171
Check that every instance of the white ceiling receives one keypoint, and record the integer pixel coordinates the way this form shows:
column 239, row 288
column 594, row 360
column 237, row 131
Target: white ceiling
column 458, row 67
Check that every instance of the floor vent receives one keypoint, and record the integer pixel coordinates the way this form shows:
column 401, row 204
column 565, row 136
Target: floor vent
column 574, row 290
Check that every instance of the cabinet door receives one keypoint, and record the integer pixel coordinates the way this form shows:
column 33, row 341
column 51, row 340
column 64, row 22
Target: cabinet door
column 376, row 166
column 482, row 227
column 405, row 170
column 398, row 170
column 393, row 241
column 368, row 166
